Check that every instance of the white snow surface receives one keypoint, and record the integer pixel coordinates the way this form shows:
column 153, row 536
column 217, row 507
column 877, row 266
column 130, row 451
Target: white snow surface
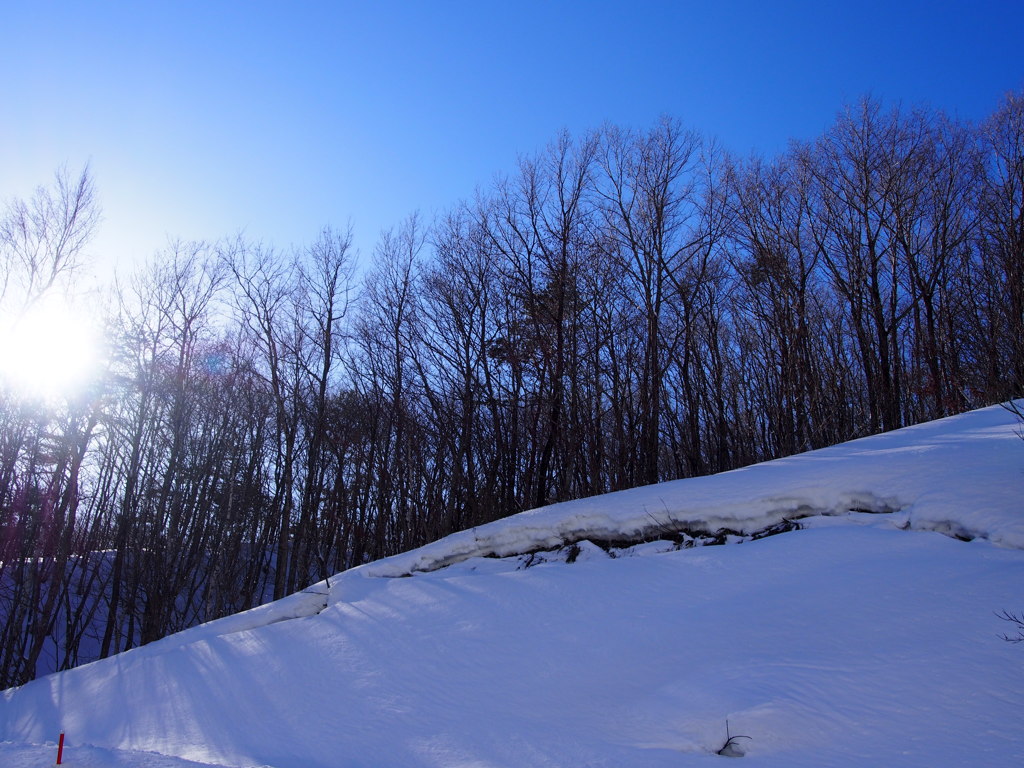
column 920, row 471
column 867, row 638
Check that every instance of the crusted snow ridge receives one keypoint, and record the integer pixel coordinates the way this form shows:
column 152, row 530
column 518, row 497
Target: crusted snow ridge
column 572, row 522
column 961, row 475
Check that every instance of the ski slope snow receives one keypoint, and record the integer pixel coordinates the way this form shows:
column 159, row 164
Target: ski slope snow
column 591, row 634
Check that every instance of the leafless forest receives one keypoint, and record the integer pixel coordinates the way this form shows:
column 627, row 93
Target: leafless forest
column 628, row 307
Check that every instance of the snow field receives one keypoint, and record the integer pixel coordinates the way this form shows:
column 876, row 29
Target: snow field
column 865, row 639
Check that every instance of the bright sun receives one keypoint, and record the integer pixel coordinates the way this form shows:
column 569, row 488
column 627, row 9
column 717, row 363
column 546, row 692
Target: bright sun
column 49, row 351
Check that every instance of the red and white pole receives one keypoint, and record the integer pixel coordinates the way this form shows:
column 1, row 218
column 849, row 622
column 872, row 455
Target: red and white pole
column 60, row 748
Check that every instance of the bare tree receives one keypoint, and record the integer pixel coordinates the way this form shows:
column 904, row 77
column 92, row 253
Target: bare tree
column 388, row 373
column 1002, row 245
column 324, row 296
column 649, row 200
column 42, row 239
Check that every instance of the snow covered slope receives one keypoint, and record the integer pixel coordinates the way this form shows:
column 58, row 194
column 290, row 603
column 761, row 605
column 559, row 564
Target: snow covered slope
column 865, row 638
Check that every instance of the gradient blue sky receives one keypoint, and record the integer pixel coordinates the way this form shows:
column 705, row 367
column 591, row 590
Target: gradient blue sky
column 204, row 119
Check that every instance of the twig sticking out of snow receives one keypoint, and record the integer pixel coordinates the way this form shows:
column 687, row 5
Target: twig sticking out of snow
column 731, row 748
column 1016, row 620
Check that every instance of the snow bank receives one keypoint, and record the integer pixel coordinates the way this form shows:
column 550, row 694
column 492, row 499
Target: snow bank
column 962, row 475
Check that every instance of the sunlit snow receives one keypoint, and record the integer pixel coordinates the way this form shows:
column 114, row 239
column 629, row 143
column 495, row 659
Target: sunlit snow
column 868, row 636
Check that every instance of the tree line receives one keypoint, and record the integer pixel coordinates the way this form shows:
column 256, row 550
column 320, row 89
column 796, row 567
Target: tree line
column 626, row 307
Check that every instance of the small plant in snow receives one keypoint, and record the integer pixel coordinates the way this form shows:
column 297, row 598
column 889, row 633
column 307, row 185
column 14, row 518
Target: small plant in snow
column 731, row 748
column 1018, row 622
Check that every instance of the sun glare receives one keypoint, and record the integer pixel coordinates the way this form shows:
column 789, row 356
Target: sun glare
column 49, row 351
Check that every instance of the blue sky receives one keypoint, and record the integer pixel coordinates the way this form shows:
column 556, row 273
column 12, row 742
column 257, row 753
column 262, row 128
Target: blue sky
column 200, row 120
